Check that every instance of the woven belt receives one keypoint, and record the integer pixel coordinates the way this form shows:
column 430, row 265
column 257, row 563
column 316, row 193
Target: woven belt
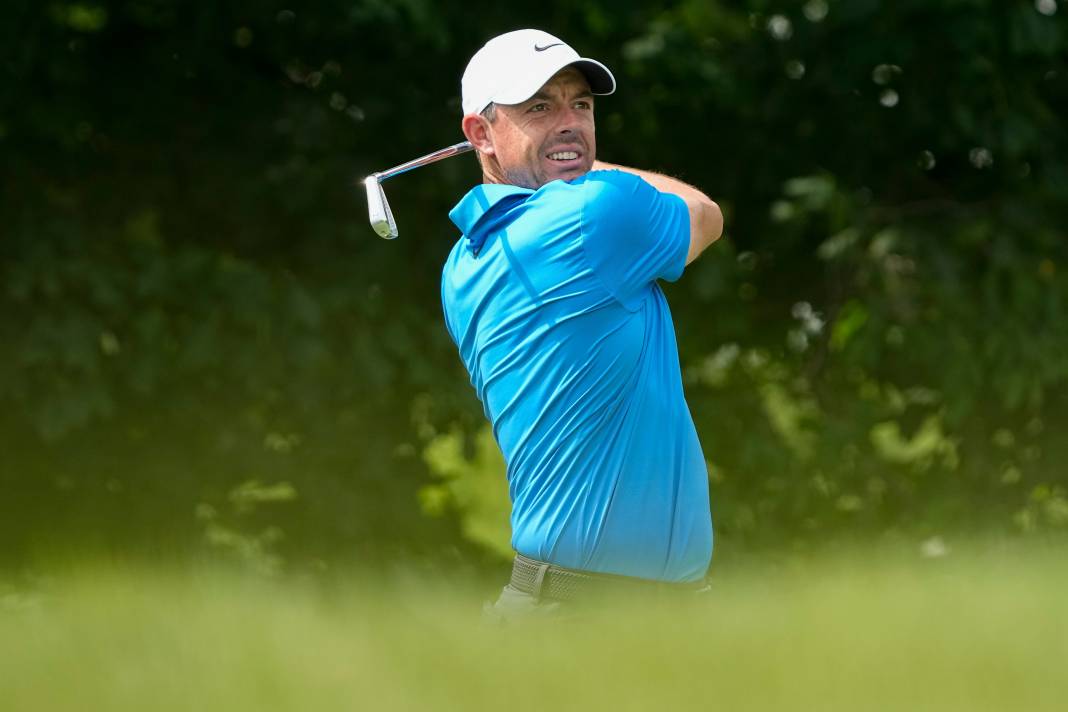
column 543, row 580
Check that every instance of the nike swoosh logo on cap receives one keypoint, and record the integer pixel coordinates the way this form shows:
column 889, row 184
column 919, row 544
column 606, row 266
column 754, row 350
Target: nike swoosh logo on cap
column 542, row 49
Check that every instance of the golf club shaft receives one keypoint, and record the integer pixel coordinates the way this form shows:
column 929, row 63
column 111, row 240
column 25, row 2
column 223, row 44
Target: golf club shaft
column 455, row 149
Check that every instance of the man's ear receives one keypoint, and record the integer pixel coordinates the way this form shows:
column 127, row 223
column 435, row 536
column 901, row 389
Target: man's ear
column 476, row 130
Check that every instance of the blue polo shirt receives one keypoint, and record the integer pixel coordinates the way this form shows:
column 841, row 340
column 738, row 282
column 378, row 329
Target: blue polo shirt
column 552, row 300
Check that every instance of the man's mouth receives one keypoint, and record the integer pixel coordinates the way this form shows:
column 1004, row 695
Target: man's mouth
column 566, row 159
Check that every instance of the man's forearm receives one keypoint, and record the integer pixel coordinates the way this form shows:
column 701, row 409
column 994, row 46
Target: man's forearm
column 706, row 220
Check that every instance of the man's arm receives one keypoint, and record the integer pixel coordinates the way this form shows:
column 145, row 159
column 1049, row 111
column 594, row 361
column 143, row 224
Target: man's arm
column 706, row 220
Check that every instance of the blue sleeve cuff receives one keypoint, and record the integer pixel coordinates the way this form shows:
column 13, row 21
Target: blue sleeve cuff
column 677, row 262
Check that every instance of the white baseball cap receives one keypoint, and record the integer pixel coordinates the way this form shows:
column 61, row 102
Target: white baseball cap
column 511, row 67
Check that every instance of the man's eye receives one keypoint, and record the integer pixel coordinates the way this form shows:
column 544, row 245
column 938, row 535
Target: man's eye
column 583, row 105
column 539, row 107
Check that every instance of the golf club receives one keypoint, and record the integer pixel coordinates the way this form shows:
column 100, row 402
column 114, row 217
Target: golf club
column 378, row 207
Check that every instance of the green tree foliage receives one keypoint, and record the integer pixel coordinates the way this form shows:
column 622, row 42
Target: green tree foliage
column 192, row 299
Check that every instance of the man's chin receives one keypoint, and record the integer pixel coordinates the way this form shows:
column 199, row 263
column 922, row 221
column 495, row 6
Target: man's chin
column 569, row 173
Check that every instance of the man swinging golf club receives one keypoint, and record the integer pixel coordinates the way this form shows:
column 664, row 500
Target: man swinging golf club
column 551, row 297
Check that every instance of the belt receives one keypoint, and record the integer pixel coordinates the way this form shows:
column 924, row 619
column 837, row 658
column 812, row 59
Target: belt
column 549, row 581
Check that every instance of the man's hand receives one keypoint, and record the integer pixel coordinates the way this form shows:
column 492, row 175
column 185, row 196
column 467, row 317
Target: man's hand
column 706, row 220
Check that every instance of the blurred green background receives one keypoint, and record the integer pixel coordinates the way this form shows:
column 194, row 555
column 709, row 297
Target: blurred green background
column 207, row 354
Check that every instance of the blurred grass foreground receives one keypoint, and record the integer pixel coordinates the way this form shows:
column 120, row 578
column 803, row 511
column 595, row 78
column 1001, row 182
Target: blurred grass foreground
column 980, row 631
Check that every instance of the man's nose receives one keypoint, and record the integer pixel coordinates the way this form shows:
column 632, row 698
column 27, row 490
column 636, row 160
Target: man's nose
column 569, row 121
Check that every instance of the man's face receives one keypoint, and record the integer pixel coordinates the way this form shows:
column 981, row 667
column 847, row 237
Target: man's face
column 548, row 136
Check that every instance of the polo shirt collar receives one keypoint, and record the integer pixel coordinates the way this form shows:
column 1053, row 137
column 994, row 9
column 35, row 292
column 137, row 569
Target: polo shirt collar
column 480, row 210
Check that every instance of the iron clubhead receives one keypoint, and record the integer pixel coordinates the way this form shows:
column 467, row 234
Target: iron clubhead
column 378, row 207
column 378, row 211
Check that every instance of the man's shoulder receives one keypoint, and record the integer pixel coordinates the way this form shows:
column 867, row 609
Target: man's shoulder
column 594, row 184
column 614, row 197
column 607, row 184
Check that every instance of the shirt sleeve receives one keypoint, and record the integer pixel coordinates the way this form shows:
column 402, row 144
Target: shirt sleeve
column 633, row 234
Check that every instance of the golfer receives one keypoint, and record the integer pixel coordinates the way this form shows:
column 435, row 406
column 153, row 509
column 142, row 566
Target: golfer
column 551, row 296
